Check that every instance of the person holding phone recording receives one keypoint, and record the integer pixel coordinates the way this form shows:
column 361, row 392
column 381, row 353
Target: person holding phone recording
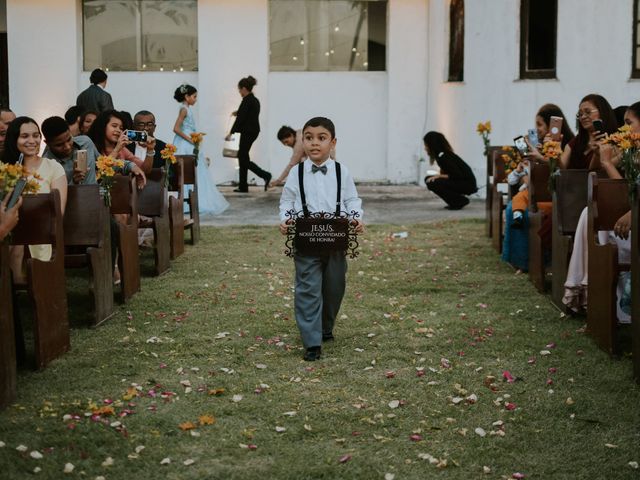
column 595, row 119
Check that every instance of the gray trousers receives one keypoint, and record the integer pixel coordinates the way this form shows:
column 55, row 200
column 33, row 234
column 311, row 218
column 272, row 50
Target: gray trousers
column 320, row 285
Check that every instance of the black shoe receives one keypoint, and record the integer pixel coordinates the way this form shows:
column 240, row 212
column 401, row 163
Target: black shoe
column 328, row 337
column 312, row 354
column 239, row 190
column 458, row 206
column 267, row 181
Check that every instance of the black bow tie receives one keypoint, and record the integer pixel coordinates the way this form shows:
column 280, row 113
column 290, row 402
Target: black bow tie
column 315, row 168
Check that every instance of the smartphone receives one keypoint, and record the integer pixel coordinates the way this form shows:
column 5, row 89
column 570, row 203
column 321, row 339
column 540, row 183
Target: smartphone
column 521, row 145
column 17, row 191
column 598, row 126
column 532, row 135
column 136, row 135
column 555, row 128
column 80, row 163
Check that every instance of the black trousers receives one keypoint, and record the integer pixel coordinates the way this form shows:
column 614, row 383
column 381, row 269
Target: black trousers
column 246, row 140
column 453, row 192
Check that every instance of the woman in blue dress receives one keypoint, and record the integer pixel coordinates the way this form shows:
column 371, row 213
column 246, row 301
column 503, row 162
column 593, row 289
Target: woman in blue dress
column 210, row 200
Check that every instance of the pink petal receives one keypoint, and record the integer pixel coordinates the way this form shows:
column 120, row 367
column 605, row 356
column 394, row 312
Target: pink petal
column 531, row 360
column 508, row 377
column 390, row 374
column 551, row 345
column 416, row 438
column 510, row 406
column 345, row 458
column 518, row 475
column 553, row 369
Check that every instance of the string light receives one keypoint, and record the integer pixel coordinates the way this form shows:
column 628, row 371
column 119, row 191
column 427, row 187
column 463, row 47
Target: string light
column 162, row 68
column 332, row 51
column 354, row 49
column 326, row 54
column 181, row 68
column 301, row 41
column 144, row 65
column 295, row 59
column 337, row 28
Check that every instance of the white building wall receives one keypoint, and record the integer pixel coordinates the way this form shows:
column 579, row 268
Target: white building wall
column 594, row 56
column 380, row 116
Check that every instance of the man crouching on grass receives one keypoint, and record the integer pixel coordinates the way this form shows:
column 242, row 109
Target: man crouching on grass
column 320, row 279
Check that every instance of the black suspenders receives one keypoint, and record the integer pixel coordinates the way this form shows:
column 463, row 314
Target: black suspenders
column 303, row 197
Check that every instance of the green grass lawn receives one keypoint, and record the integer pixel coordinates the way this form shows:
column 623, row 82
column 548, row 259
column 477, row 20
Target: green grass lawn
column 201, row 375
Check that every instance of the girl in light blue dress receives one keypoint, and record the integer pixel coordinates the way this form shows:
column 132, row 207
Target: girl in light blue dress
column 210, row 200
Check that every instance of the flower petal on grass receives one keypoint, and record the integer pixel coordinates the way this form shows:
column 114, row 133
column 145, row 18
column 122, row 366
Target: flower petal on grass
column 165, row 461
column 68, row 468
column 344, row 458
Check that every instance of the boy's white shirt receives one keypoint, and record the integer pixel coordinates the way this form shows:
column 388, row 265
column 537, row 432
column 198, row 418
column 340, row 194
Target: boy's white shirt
column 320, row 191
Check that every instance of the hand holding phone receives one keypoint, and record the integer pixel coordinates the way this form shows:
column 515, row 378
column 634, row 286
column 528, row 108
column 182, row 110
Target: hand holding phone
column 555, row 128
column 598, row 126
column 532, row 135
column 521, row 145
column 17, row 191
column 136, row 135
column 80, row 162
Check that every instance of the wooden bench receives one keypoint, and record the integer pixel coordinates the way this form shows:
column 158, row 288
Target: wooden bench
column 608, row 201
column 489, row 188
column 176, row 209
column 538, row 192
column 124, row 201
column 7, row 334
column 192, row 223
column 87, row 236
column 635, row 283
column 498, row 200
column 41, row 223
column 153, row 202
column 569, row 198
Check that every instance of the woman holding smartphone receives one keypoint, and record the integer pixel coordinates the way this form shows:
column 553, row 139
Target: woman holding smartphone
column 24, row 138
column 109, row 136
column 595, row 119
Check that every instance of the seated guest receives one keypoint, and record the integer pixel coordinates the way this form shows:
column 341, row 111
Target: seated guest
column 86, row 120
column 515, row 246
column 145, row 121
column 95, row 97
column 107, row 133
column 456, row 179
column 292, row 138
column 23, row 137
column 576, row 285
column 8, row 217
column 73, row 117
column 63, row 148
column 582, row 152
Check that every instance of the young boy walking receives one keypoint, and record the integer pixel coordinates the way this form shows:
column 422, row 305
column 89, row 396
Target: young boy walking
column 320, row 279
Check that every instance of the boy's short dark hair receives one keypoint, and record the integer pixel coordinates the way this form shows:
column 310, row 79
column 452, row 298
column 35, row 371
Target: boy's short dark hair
column 321, row 122
column 54, row 126
column 285, row 132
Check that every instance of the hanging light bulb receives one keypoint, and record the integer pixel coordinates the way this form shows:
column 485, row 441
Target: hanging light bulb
column 301, row 41
column 162, row 68
column 337, row 28
column 332, row 51
column 181, row 68
column 295, row 59
column 326, row 54
column 354, row 49
column 144, row 65
column 106, row 69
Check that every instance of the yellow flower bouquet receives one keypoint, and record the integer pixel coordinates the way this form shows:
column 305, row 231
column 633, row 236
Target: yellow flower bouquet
column 511, row 158
column 551, row 151
column 629, row 144
column 105, row 171
column 168, row 154
column 484, row 129
column 9, row 176
column 196, row 138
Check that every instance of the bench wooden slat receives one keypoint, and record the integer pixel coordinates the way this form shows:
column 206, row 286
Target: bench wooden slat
column 176, row 210
column 124, row 200
column 87, row 226
column 635, row 283
column 569, row 199
column 538, row 192
column 41, row 222
column 191, row 178
column 608, row 201
column 153, row 202
column 8, row 375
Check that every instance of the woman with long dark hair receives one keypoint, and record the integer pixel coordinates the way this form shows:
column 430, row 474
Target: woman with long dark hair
column 583, row 151
column 247, row 125
column 456, row 179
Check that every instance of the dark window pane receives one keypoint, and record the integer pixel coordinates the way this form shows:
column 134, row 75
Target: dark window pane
column 456, row 41
column 542, row 35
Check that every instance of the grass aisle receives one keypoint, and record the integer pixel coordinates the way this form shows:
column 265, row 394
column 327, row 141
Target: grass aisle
column 201, row 375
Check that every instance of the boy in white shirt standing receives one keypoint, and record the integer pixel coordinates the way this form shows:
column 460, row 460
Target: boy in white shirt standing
column 320, row 279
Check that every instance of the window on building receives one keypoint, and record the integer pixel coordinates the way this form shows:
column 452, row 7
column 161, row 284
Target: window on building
column 327, row 35
column 538, row 29
column 456, row 41
column 635, row 70
column 140, row 35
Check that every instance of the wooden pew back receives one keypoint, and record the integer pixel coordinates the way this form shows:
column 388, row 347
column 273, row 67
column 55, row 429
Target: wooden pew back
column 84, row 216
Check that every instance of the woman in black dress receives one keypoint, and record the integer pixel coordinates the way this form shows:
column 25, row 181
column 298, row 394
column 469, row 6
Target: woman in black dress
column 248, row 126
column 456, row 179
